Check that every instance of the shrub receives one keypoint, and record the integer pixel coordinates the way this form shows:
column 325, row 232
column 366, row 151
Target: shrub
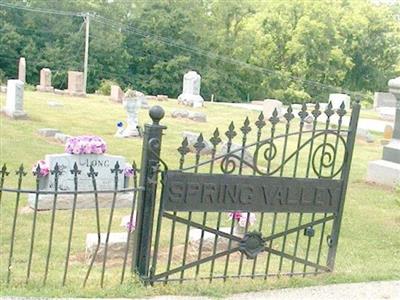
column 105, row 87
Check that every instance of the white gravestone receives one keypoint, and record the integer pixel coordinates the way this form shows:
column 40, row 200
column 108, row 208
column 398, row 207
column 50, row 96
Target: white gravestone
column 131, row 103
column 45, row 81
column 102, row 164
column 191, row 90
column 15, row 99
column 22, row 69
column 270, row 105
column 337, row 99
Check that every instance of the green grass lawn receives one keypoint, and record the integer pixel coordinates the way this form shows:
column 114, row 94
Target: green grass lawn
column 369, row 246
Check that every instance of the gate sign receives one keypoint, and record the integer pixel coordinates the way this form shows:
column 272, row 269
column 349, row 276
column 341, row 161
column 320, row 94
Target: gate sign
column 219, row 192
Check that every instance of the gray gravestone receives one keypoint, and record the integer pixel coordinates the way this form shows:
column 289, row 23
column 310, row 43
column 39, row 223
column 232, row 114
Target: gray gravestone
column 48, row 132
column 384, row 100
column 198, row 117
column 180, row 113
column 191, row 90
column 387, row 170
column 102, row 164
column 15, row 99
column 192, row 140
column 45, row 81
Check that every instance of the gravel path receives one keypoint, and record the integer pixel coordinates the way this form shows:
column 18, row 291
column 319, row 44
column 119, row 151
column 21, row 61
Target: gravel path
column 347, row 291
column 352, row 291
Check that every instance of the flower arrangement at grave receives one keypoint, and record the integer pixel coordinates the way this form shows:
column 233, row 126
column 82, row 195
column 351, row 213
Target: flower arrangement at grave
column 43, row 166
column 86, row 144
column 242, row 219
column 129, row 223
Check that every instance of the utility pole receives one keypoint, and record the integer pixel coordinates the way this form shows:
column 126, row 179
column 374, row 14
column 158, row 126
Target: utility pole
column 85, row 66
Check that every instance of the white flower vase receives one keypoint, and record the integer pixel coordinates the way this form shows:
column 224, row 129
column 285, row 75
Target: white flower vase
column 239, row 230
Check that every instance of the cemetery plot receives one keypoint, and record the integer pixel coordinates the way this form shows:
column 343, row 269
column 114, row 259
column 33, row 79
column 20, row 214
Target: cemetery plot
column 54, row 246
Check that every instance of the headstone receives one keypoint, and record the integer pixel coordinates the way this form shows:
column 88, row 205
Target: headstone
column 162, row 98
column 384, row 100
column 61, row 137
column 59, row 92
column 151, row 98
column 45, row 81
column 3, row 89
column 192, row 140
column 386, row 113
column 117, row 94
column 338, row 99
column 15, row 99
column 180, row 113
column 198, row 117
column 116, row 246
column 191, row 90
column 22, row 69
column 297, row 106
column 365, row 135
column 269, row 107
column 132, row 102
column 207, row 239
column 237, row 151
column 102, row 164
column 53, row 103
column 388, row 132
column 386, row 171
column 75, row 84
column 48, row 132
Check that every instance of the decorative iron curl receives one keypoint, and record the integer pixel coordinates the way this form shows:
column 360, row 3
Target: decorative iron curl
column 326, row 161
column 154, row 144
column 231, row 160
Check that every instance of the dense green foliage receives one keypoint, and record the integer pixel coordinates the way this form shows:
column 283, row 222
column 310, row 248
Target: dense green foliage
column 295, row 50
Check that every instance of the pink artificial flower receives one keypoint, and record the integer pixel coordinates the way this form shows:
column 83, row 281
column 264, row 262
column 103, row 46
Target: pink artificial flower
column 241, row 218
column 129, row 224
column 85, row 144
column 128, row 171
column 44, row 168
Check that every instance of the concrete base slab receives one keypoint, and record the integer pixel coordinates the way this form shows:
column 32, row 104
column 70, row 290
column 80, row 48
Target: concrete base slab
column 84, row 201
column 383, row 172
column 115, row 248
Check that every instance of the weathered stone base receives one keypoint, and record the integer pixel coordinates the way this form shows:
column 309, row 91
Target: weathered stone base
column 191, row 100
column 76, row 94
column 16, row 115
column 383, row 172
column 84, row 201
column 115, row 249
column 209, row 238
column 45, row 89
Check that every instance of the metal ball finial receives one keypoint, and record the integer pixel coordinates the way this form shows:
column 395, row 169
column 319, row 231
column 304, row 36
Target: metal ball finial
column 156, row 114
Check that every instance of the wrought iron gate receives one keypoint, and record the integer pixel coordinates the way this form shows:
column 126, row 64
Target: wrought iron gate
column 285, row 182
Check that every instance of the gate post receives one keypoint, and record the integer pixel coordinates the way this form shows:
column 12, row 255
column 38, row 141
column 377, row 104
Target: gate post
column 148, row 180
column 334, row 239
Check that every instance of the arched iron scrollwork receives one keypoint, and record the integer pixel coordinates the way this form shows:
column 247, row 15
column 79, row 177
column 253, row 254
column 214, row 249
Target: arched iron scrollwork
column 322, row 156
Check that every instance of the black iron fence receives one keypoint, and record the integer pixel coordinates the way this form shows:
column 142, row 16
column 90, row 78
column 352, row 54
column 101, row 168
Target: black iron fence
column 268, row 203
column 49, row 244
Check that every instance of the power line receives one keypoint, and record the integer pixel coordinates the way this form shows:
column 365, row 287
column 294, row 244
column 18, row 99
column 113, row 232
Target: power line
column 201, row 52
